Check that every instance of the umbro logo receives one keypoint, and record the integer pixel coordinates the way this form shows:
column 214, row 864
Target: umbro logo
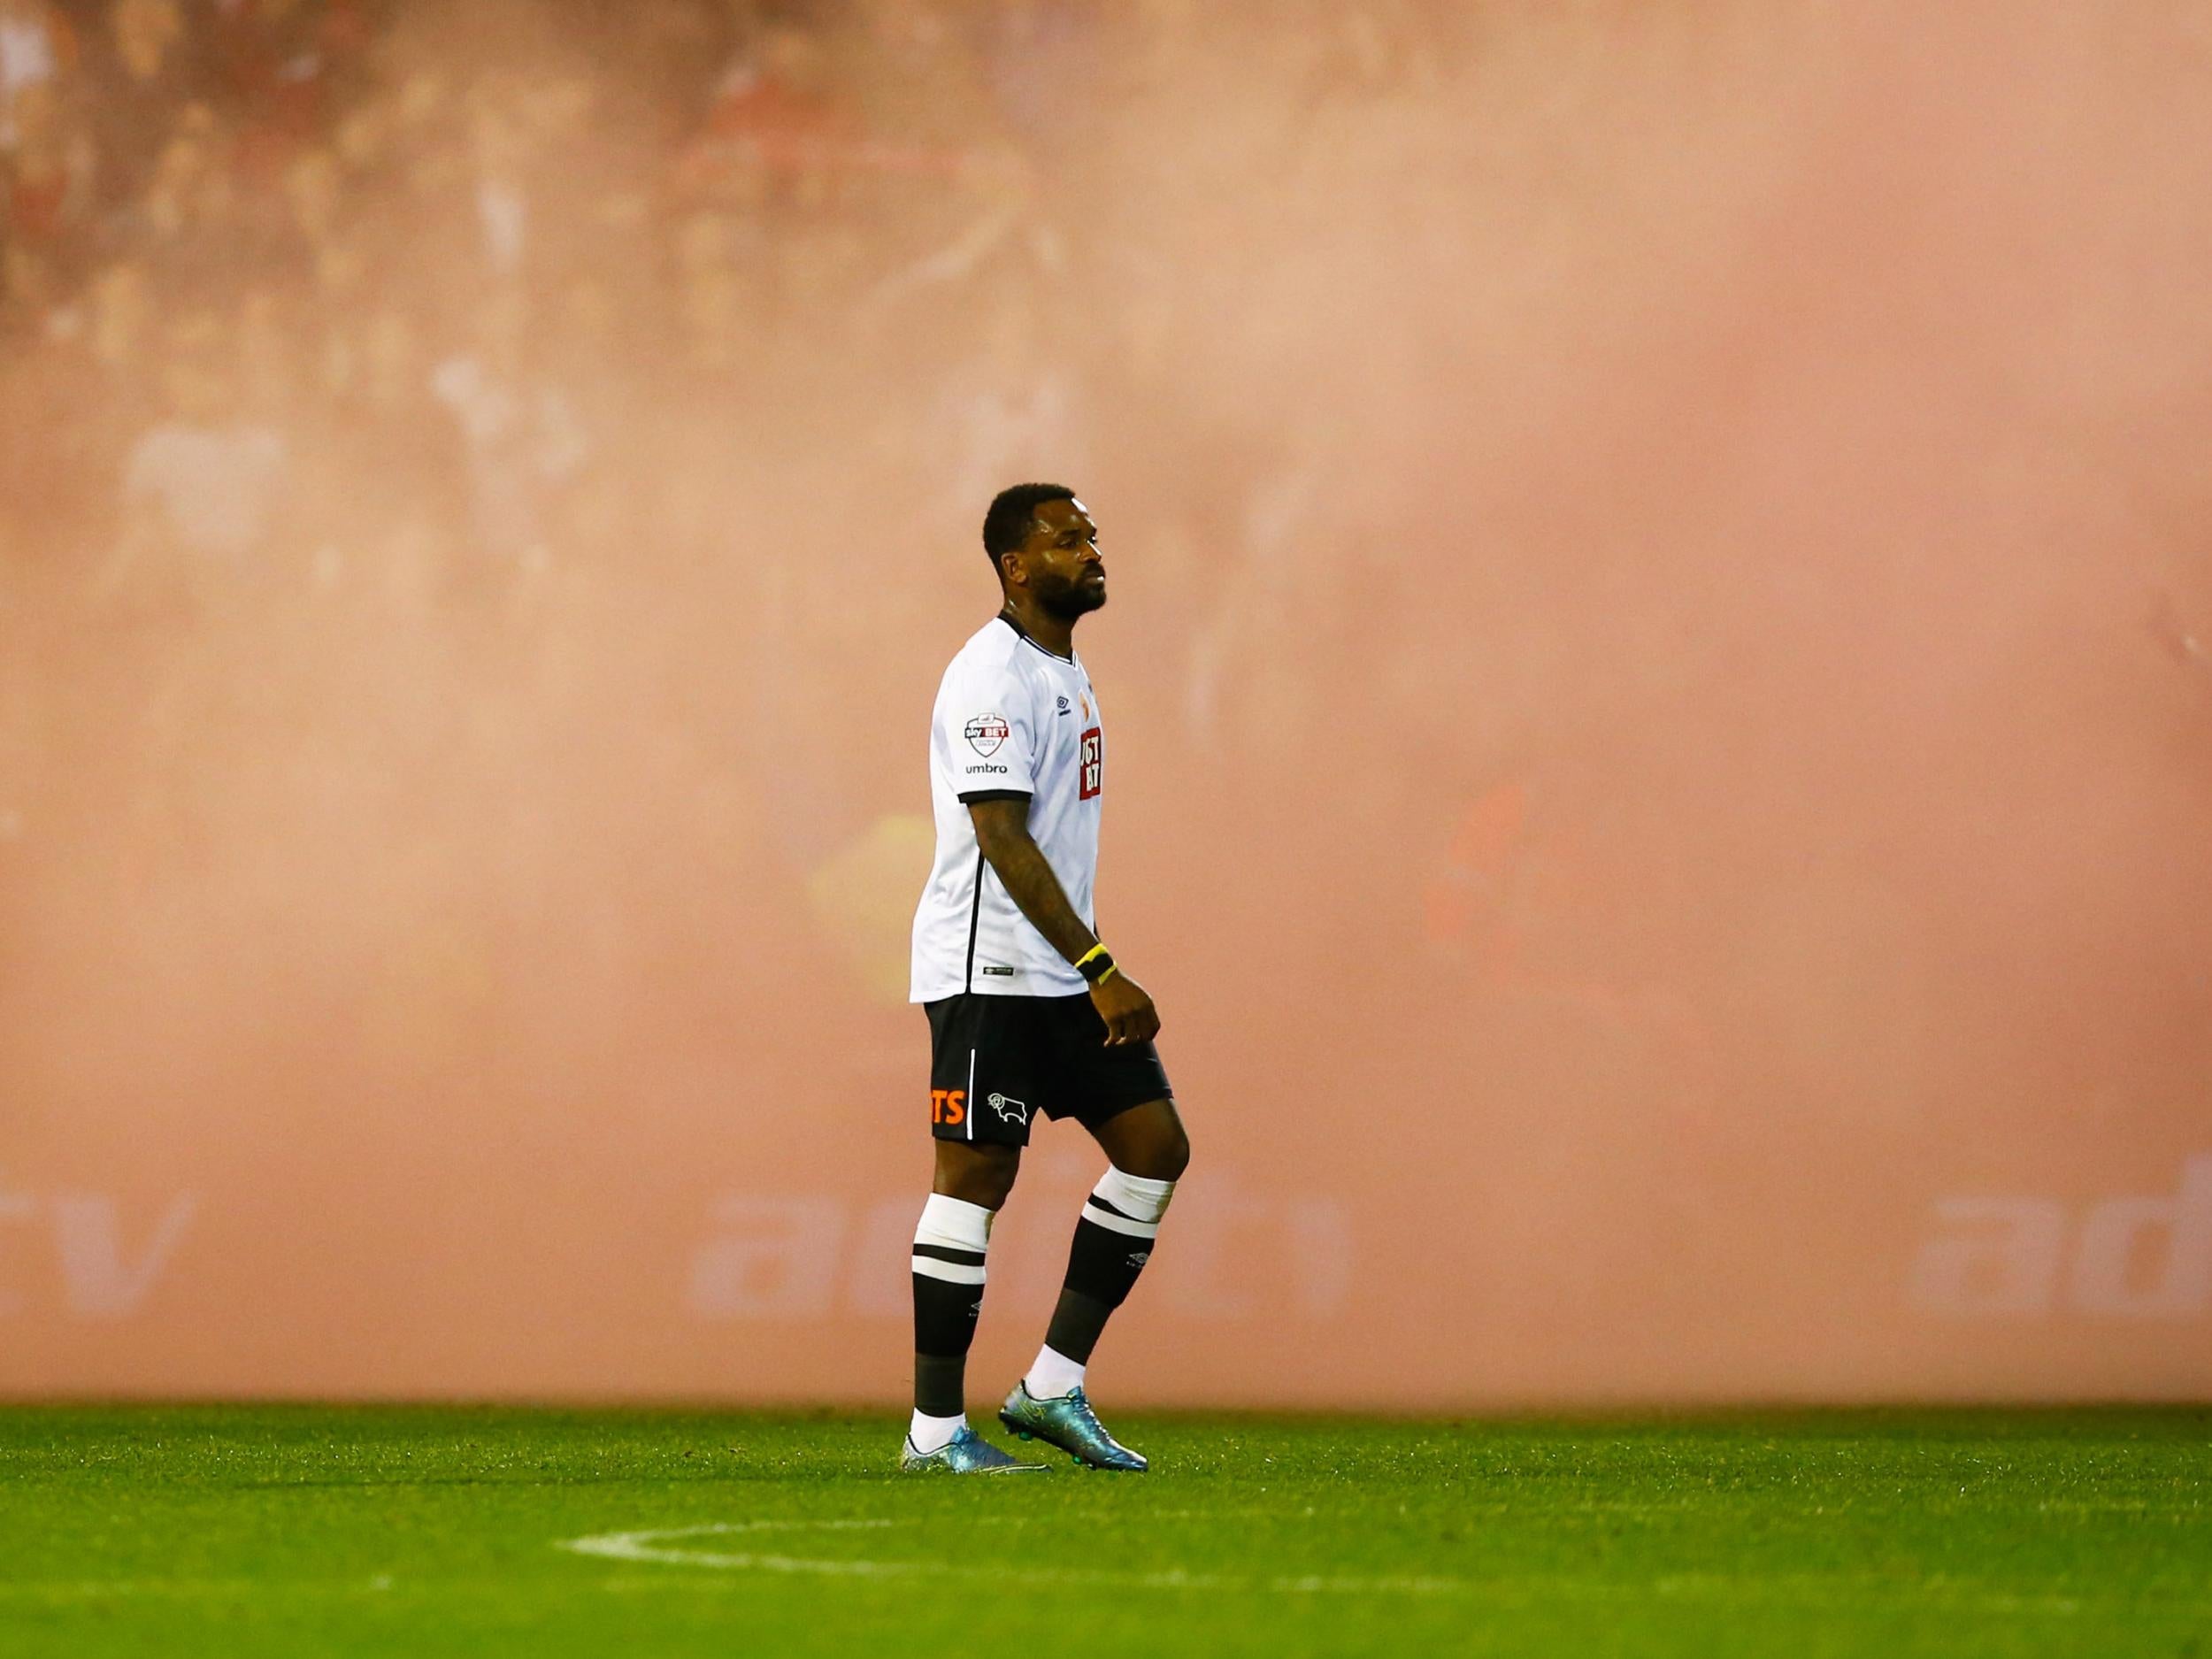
column 1011, row 1112
column 1140, row 1258
column 1063, row 706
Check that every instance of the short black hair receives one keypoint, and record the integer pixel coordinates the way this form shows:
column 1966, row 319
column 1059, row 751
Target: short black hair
column 1006, row 527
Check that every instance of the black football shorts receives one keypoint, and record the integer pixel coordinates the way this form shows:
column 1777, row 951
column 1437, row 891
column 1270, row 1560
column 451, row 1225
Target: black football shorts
column 996, row 1061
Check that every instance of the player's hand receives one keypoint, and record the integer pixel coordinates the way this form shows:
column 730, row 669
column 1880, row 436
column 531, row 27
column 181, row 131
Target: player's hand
column 1127, row 1010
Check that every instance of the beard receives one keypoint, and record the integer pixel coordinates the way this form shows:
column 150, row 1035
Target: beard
column 1068, row 600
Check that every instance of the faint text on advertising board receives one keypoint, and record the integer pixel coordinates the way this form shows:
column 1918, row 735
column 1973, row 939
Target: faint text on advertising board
column 2131, row 1256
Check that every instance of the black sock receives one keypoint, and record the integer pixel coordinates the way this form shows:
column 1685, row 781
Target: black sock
column 1077, row 1322
column 949, row 1251
column 1113, row 1241
column 940, row 1384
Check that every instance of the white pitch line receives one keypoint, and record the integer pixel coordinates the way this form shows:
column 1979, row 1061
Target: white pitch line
column 659, row 1545
column 652, row 1544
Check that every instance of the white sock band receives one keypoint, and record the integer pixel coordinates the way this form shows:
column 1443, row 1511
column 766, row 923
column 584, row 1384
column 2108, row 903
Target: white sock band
column 1128, row 1204
column 933, row 1434
column 950, row 1239
column 1054, row 1376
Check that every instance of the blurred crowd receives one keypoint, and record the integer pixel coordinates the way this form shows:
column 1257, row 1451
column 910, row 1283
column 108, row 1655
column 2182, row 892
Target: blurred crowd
column 448, row 442
column 488, row 488
column 440, row 293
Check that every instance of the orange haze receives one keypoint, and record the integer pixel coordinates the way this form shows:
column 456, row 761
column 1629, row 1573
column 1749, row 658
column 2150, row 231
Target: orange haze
column 1659, row 773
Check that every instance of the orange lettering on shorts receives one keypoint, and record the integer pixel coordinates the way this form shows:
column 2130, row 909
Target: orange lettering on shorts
column 948, row 1105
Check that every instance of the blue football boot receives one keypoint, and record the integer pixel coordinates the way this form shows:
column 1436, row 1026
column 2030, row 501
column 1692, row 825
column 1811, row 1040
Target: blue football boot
column 1069, row 1424
column 967, row 1453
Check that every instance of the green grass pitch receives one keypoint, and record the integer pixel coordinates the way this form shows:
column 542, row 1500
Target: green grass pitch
column 427, row 1531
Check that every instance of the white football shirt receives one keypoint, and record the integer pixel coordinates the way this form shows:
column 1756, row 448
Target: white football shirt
column 1011, row 718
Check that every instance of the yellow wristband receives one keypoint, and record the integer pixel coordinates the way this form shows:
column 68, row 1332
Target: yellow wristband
column 1084, row 960
column 1112, row 970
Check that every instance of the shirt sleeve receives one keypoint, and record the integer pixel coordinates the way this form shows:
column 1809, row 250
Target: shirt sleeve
column 988, row 728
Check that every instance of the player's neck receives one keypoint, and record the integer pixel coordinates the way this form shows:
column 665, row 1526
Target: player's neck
column 1054, row 633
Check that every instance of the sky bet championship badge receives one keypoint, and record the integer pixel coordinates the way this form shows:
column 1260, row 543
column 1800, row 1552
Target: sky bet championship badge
column 986, row 733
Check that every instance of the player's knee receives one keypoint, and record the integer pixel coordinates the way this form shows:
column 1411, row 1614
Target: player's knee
column 1163, row 1156
column 1174, row 1155
column 977, row 1175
